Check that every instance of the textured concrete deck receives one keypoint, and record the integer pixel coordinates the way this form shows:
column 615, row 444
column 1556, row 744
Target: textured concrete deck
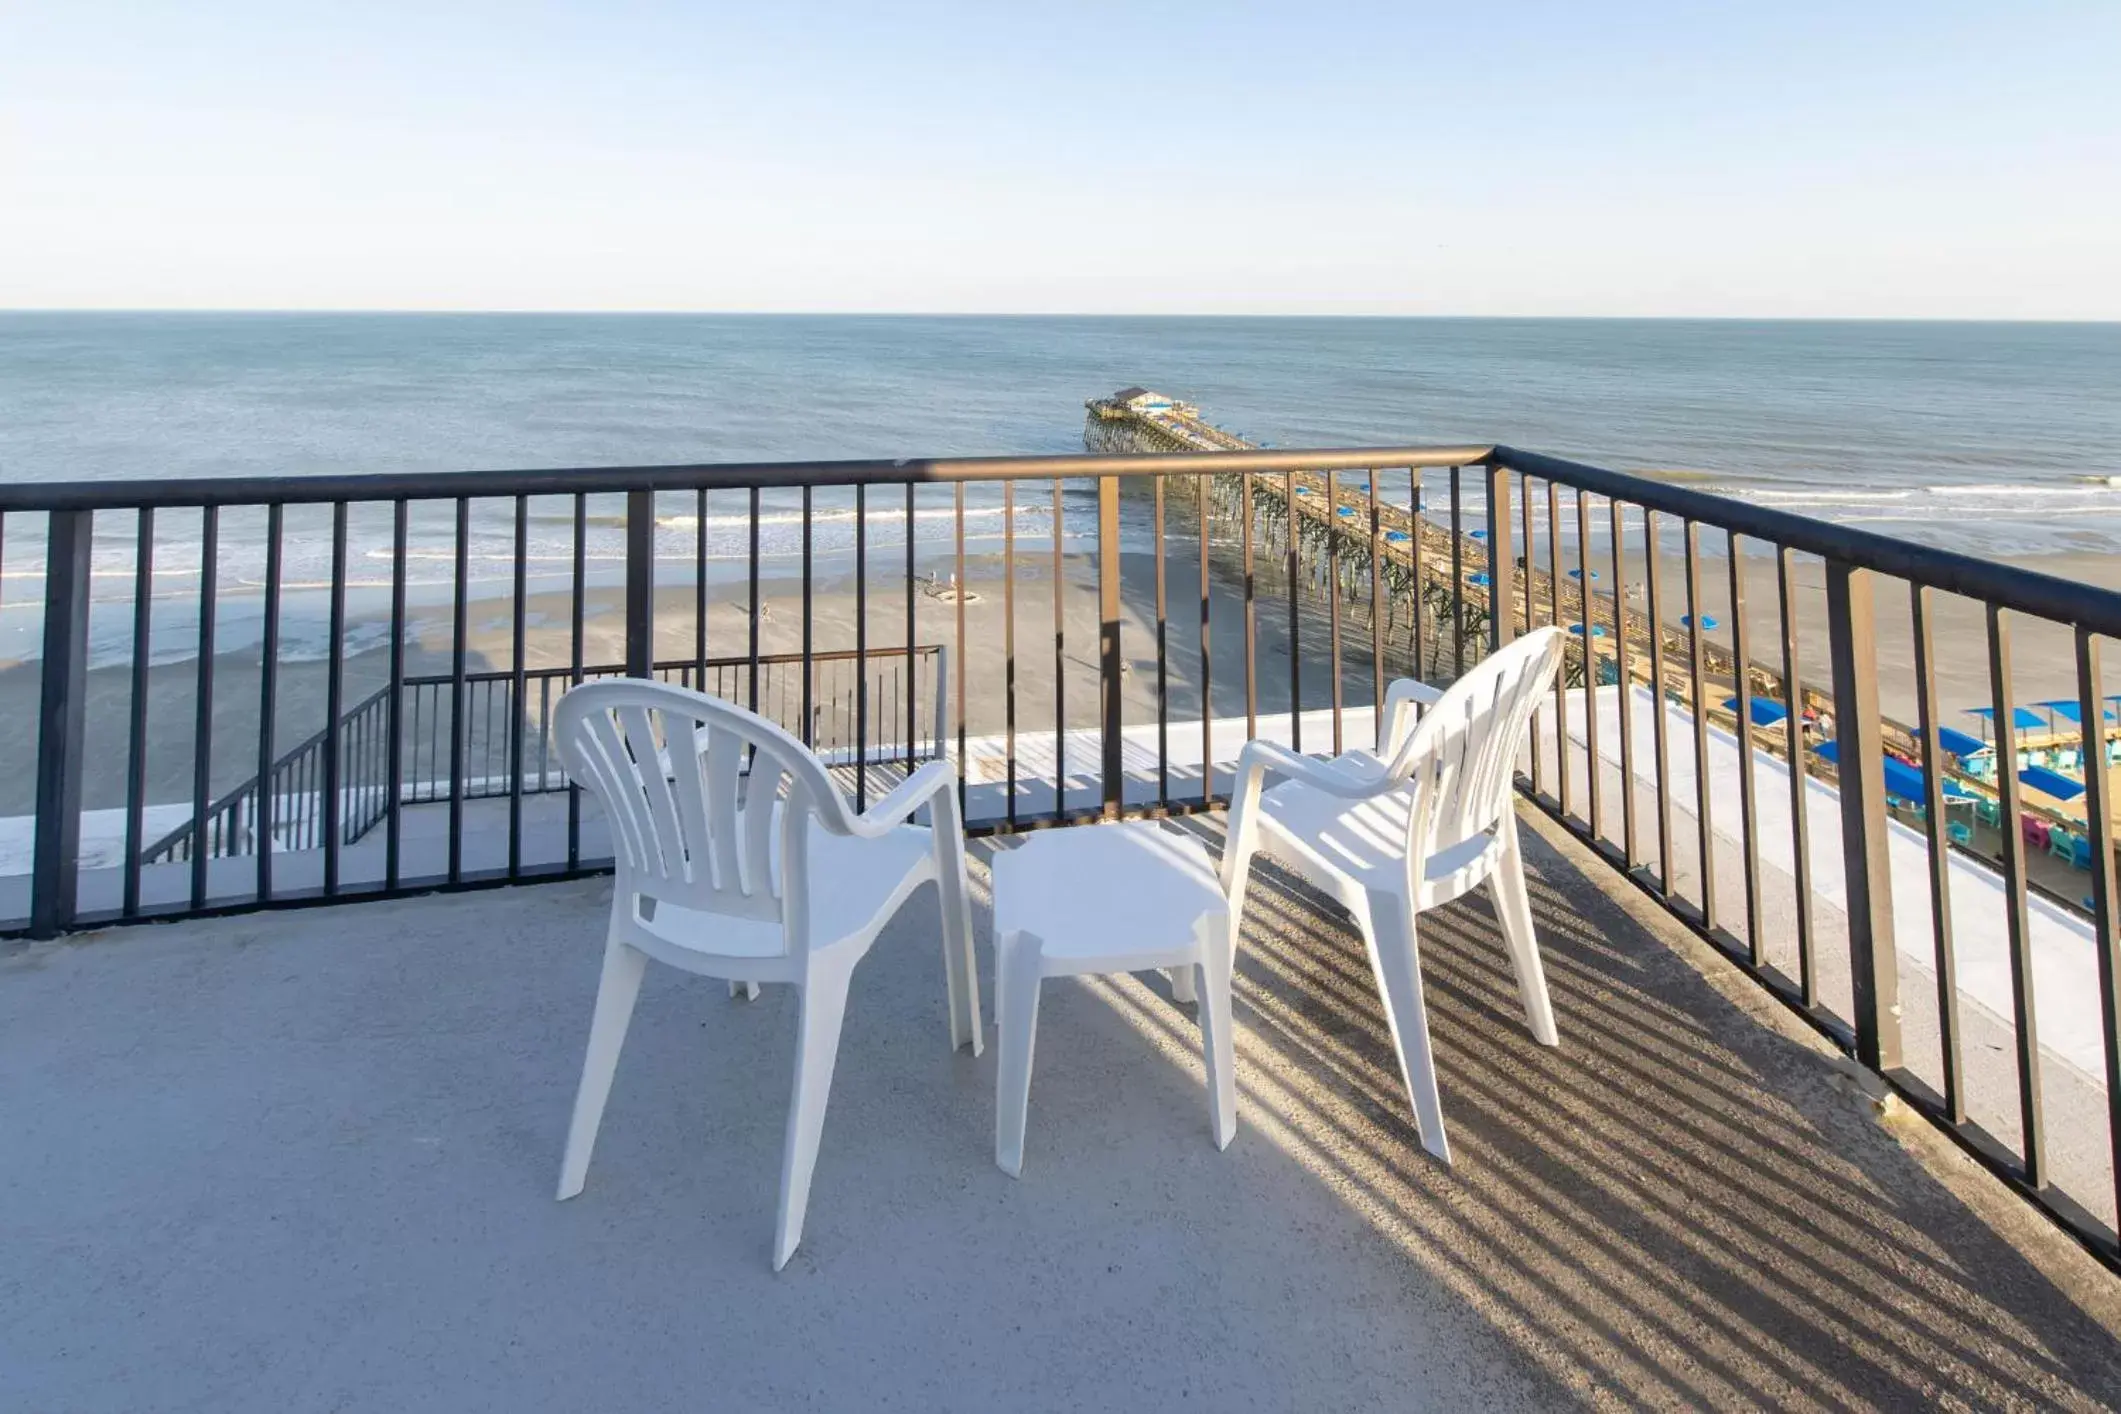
column 305, row 1161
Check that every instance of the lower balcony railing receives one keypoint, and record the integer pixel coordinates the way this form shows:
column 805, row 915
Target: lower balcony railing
column 264, row 693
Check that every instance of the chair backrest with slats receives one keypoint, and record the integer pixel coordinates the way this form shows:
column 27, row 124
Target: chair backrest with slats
column 1461, row 758
column 690, row 784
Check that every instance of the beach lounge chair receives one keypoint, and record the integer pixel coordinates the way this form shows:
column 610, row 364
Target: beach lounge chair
column 1424, row 819
column 758, row 875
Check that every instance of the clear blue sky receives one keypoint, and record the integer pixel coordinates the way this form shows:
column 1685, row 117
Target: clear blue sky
column 1793, row 159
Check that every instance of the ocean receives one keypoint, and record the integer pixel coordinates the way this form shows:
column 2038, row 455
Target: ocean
column 2001, row 440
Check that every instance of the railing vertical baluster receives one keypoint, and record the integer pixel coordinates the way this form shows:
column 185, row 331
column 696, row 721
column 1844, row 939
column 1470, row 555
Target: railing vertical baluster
column 1458, row 578
column 1742, row 675
column 394, row 765
column 751, row 701
column 1333, row 599
column 1251, row 615
column 2024, row 1016
column 1531, row 621
column 519, row 703
column 1112, row 701
column 575, row 607
column 1697, row 675
column 1624, row 694
column 268, row 705
column 1377, row 607
column 1920, row 603
column 459, row 726
column 912, row 630
column 699, row 590
column 1204, row 487
column 1292, row 567
column 1163, row 697
column 1652, row 567
column 959, row 661
column 640, row 584
column 809, row 731
column 334, row 700
column 203, row 703
column 2106, row 926
column 861, row 646
column 1060, row 662
column 1588, row 602
column 1792, row 688
column 136, row 733
column 1009, row 647
column 1561, row 692
column 1414, row 501
column 62, row 723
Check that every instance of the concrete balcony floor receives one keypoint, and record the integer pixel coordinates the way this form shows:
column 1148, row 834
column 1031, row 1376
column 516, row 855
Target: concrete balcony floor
column 305, row 1160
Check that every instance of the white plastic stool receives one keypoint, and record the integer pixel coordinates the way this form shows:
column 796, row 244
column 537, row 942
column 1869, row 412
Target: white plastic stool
column 1097, row 899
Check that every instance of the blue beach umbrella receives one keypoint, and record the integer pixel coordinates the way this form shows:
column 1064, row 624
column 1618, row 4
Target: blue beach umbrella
column 1345, row 511
column 1708, row 621
column 1303, row 490
column 1578, row 574
column 2021, row 718
column 1397, row 537
column 1765, row 713
column 1479, row 579
column 1597, row 630
column 1480, row 535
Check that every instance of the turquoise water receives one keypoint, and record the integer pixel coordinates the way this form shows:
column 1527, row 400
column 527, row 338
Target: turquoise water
column 1997, row 439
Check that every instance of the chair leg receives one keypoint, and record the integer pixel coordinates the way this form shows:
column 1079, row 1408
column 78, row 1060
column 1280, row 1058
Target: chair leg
column 616, row 993
column 1182, row 990
column 749, row 991
column 1396, row 958
column 1513, row 909
column 817, row 1048
column 954, row 897
column 1016, row 987
column 1216, row 1036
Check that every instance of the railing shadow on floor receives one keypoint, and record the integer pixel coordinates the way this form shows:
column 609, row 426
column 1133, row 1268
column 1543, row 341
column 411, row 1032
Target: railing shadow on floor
column 1675, row 1160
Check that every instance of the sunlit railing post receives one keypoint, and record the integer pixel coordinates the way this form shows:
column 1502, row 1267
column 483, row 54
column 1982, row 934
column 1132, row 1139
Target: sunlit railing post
column 1502, row 559
column 61, row 724
column 1860, row 762
column 1110, row 700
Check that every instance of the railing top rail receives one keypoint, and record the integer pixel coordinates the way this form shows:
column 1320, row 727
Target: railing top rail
column 133, row 494
column 2046, row 596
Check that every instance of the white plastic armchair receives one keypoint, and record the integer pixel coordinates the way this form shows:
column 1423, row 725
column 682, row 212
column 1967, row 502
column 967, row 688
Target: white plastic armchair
column 747, row 863
column 1424, row 819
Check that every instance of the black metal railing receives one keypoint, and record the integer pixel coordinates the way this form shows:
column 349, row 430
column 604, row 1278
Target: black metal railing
column 1373, row 563
column 497, row 708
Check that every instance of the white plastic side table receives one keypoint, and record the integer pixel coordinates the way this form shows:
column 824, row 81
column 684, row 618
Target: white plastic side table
column 1099, row 899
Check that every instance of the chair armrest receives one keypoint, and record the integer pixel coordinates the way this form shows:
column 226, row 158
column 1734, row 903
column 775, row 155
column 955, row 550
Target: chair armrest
column 908, row 796
column 1351, row 777
column 1392, row 723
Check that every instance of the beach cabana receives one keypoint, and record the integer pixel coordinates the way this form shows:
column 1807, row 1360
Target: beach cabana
column 1959, row 744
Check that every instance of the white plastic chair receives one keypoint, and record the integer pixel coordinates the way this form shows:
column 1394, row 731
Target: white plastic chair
column 1425, row 819
column 749, row 865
